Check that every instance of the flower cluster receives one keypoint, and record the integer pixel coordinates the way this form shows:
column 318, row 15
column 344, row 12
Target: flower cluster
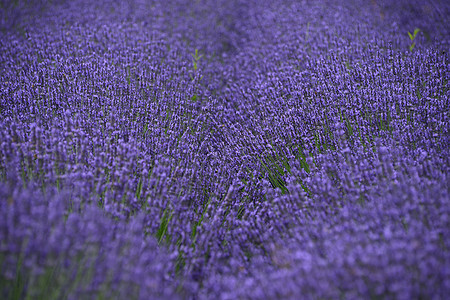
column 230, row 149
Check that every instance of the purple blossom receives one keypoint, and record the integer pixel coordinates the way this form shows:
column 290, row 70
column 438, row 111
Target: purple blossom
column 224, row 149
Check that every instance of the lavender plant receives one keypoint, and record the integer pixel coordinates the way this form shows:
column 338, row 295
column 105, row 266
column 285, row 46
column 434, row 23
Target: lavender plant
column 278, row 163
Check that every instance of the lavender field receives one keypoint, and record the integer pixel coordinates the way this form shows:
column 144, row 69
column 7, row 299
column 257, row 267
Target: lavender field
column 224, row 149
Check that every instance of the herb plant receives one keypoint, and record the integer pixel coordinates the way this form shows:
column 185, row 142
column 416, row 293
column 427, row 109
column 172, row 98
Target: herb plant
column 215, row 149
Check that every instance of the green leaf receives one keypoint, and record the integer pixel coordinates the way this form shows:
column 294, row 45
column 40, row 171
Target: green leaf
column 196, row 56
column 167, row 216
column 139, row 189
column 416, row 31
column 410, row 36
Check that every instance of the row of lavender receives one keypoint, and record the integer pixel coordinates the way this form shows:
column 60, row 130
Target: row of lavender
column 303, row 150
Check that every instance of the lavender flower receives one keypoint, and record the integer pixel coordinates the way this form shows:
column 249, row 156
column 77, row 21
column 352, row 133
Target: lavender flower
column 227, row 149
